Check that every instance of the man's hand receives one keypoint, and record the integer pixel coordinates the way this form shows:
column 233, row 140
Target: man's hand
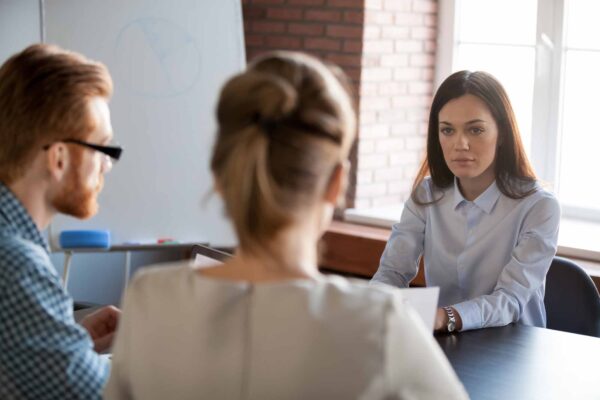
column 101, row 325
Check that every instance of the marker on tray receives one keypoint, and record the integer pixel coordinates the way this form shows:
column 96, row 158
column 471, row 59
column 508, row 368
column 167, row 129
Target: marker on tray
column 166, row 241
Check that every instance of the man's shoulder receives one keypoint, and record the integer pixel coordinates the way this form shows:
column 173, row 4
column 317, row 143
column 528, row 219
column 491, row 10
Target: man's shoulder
column 19, row 254
column 12, row 245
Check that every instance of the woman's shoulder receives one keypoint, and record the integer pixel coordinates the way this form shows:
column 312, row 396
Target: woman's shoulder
column 358, row 295
column 428, row 192
column 538, row 194
column 160, row 278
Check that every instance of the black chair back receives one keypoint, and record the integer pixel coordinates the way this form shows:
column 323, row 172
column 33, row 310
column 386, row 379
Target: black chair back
column 572, row 300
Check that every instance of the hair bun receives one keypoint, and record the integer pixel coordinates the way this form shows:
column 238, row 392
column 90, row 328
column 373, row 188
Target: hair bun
column 274, row 97
column 256, row 97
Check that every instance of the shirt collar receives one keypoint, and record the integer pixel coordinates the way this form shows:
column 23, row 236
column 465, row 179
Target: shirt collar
column 485, row 200
column 14, row 216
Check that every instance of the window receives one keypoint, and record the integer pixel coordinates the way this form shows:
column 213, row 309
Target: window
column 547, row 55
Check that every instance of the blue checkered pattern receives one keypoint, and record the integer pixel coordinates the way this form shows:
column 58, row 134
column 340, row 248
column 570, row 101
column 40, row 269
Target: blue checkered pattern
column 44, row 353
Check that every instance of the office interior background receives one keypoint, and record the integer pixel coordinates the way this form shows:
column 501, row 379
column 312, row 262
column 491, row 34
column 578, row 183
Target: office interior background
column 545, row 52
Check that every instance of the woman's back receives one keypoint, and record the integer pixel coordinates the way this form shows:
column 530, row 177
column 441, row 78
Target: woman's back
column 188, row 336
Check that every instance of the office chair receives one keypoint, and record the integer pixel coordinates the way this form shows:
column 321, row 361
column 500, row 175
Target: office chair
column 572, row 300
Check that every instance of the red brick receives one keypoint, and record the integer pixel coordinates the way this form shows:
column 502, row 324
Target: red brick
column 284, row 42
column 322, row 44
column 344, row 31
column 306, row 29
column 252, row 53
column 346, row 3
column 268, row 27
column 253, row 12
column 353, row 46
column 287, row 14
column 353, row 73
column 346, row 60
column 255, row 40
column 322, row 15
column 268, row 1
column 354, row 17
column 306, row 2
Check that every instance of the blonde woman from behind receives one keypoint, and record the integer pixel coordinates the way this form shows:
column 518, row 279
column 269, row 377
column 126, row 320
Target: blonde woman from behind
column 266, row 324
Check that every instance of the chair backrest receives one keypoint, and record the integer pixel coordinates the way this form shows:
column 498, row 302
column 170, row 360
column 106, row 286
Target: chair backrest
column 572, row 300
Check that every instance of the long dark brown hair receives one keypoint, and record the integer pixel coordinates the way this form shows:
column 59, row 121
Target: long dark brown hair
column 515, row 177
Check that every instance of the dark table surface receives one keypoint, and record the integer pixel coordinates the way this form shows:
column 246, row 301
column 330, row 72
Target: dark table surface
column 522, row 362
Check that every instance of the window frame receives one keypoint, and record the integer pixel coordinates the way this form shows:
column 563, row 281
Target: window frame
column 548, row 88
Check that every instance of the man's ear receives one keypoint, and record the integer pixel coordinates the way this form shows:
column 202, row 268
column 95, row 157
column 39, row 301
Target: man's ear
column 57, row 160
column 336, row 186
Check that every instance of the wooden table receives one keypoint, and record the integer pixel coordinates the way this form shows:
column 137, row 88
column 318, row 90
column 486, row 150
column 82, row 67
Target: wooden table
column 522, row 362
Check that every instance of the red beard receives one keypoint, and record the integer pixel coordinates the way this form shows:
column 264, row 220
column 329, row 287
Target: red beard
column 75, row 199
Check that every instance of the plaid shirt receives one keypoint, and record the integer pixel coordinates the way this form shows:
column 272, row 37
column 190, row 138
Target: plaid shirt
column 44, row 353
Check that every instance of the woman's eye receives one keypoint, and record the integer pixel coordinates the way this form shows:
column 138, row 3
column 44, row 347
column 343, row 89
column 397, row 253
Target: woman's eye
column 446, row 131
column 477, row 131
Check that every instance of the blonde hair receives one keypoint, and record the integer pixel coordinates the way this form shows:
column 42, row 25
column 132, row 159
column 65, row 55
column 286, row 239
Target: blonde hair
column 44, row 97
column 284, row 125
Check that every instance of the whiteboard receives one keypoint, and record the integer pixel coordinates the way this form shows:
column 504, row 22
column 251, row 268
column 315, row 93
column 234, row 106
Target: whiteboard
column 19, row 26
column 168, row 60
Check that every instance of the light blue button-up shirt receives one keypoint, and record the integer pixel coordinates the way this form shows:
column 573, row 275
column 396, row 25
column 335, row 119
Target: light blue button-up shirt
column 489, row 256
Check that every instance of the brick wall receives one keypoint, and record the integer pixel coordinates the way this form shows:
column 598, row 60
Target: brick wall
column 329, row 29
column 395, row 90
column 387, row 47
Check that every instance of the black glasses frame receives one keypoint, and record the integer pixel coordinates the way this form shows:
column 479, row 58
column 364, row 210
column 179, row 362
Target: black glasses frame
column 113, row 152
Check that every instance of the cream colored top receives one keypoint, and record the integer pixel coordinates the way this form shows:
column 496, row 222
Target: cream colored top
column 185, row 336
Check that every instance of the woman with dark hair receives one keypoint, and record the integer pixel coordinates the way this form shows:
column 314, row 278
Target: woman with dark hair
column 477, row 215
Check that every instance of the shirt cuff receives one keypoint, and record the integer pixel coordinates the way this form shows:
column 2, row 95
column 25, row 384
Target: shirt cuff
column 470, row 315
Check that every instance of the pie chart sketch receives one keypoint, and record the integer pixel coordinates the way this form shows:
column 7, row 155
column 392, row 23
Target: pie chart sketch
column 155, row 57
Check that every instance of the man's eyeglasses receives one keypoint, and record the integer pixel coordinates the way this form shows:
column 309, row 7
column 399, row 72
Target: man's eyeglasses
column 113, row 152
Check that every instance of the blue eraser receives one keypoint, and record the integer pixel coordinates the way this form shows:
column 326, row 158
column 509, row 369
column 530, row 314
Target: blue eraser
column 84, row 239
